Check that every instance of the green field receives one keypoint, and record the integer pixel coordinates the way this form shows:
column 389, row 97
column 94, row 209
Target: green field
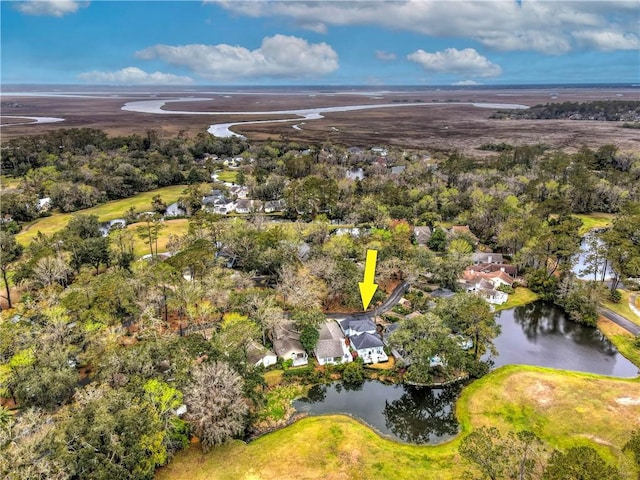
column 563, row 408
column 106, row 211
column 177, row 227
column 227, row 176
column 621, row 338
column 520, row 297
column 594, row 220
column 622, row 308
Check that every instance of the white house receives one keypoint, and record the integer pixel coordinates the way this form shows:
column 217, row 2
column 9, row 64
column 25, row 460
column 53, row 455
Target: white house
column 286, row 343
column 353, row 326
column 258, row 355
column 369, row 348
column 332, row 347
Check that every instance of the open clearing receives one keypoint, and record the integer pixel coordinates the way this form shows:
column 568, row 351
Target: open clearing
column 563, row 408
column 106, row 211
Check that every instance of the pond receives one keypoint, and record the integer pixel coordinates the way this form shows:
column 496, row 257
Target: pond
column 405, row 413
column 535, row 334
column 541, row 334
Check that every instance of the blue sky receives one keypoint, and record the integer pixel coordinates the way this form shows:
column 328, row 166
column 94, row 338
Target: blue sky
column 412, row 42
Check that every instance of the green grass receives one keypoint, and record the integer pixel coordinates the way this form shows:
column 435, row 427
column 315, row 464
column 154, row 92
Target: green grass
column 621, row 338
column 520, row 297
column 106, row 211
column 177, row 227
column 594, row 220
column 227, row 176
column 622, row 308
column 279, row 400
column 563, row 408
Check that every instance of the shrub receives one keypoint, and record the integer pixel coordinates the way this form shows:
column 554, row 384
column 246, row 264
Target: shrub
column 353, row 372
column 615, row 296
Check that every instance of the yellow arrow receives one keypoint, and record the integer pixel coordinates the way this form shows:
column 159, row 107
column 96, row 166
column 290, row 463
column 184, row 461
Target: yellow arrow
column 367, row 287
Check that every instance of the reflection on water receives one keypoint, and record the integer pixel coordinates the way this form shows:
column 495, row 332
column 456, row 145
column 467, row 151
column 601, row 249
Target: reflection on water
column 541, row 334
column 408, row 414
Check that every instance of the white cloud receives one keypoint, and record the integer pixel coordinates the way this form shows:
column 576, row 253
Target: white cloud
column 531, row 25
column 279, row 56
column 466, row 83
column 608, row 41
column 385, row 56
column 134, row 76
column 461, row 62
column 54, row 8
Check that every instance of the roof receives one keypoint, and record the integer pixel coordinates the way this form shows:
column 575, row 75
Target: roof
column 329, row 348
column 506, row 278
column 461, row 230
column 422, row 234
column 283, row 346
column 366, row 340
column 358, row 325
column 482, row 257
column 256, row 352
column 442, row 293
column 331, row 331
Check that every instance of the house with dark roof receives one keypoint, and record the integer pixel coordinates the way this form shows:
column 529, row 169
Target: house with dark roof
column 369, row 347
column 332, row 347
column 352, row 326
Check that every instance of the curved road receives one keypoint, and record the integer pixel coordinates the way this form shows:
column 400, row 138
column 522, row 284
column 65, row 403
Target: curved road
column 620, row 321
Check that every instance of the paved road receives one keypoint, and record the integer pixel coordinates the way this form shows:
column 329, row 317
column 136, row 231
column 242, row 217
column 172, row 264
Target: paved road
column 620, row 320
column 387, row 305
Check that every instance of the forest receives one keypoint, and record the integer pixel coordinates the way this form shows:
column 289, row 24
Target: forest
column 115, row 362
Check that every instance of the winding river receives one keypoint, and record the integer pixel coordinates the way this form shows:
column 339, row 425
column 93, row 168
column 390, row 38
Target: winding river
column 307, row 114
column 535, row 334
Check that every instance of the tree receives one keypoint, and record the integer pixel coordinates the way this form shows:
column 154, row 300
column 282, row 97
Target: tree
column 309, row 337
column 112, row 434
column 484, row 448
column 520, row 455
column 216, row 407
column 470, row 315
column 438, row 240
column 149, row 231
column 623, row 244
column 579, row 463
column 425, row 342
column 10, row 251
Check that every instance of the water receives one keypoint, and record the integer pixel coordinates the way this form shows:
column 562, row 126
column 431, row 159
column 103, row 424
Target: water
column 541, row 334
column 535, row 334
column 405, row 413
column 581, row 259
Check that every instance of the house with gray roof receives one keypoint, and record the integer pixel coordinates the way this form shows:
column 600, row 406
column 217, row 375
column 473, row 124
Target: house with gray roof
column 369, row 347
column 332, row 347
column 352, row 326
column 286, row 343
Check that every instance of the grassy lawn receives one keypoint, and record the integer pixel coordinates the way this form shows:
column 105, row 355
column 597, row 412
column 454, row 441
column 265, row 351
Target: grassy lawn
column 106, row 211
column 177, row 226
column 594, row 220
column 622, row 308
column 621, row 338
column 563, row 408
column 227, row 176
column 520, row 297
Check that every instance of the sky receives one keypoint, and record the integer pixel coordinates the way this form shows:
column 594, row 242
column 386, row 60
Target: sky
column 366, row 42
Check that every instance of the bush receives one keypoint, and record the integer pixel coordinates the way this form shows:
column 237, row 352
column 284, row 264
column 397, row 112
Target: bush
column 615, row 296
column 505, row 289
column 353, row 373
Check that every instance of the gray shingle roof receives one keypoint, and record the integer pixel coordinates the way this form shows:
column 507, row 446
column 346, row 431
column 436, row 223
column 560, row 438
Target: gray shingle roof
column 329, row 349
column 366, row 340
column 358, row 325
